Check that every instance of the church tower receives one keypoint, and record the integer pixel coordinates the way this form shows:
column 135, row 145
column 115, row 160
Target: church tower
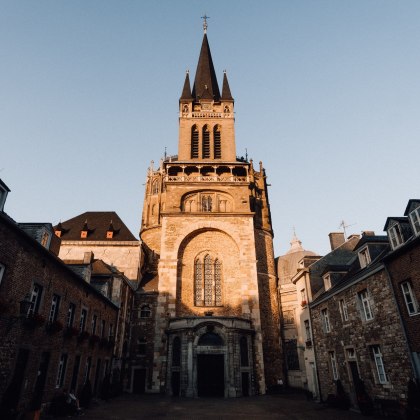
column 209, row 279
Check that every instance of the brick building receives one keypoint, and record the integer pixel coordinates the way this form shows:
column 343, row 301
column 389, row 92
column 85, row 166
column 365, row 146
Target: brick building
column 403, row 265
column 57, row 329
column 207, row 318
column 356, row 325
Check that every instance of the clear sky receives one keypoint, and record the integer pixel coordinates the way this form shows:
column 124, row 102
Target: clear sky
column 327, row 96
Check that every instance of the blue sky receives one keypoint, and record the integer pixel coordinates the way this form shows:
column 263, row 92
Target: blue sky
column 327, row 97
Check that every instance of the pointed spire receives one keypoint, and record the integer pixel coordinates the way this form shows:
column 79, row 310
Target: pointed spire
column 205, row 75
column 186, row 91
column 226, row 95
column 295, row 244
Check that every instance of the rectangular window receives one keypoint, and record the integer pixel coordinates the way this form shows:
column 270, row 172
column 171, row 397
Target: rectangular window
column 62, row 365
column 35, row 299
column 55, row 305
column 94, row 321
column 343, row 310
column 307, row 330
column 70, row 315
column 327, row 282
column 410, row 299
column 111, row 332
column 83, row 316
column 395, row 236
column 292, row 358
column 102, row 328
column 415, row 220
column 364, row 257
column 2, row 268
column 303, row 297
column 364, row 299
column 379, row 363
column 87, row 368
column 333, row 365
column 325, row 321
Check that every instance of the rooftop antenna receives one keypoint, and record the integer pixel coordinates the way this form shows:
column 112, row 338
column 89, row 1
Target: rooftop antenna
column 343, row 225
column 165, row 153
column 246, row 154
column 205, row 17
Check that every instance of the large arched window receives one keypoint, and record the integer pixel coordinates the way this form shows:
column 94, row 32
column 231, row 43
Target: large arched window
column 194, row 142
column 217, row 142
column 155, row 187
column 206, row 142
column 244, row 351
column 208, row 281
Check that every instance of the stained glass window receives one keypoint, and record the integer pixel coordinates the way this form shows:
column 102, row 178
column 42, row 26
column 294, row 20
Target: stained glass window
column 208, row 282
column 198, row 283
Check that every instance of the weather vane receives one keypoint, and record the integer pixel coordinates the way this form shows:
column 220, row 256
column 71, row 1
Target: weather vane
column 205, row 17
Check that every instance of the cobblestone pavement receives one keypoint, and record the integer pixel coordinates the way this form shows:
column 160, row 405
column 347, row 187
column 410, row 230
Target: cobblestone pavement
column 293, row 407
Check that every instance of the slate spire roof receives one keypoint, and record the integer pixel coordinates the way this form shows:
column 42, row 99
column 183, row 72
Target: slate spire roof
column 186, row 91
column 226, row 95
column 205, row 83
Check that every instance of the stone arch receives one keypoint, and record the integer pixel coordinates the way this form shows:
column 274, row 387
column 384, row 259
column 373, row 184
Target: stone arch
column 223, row 251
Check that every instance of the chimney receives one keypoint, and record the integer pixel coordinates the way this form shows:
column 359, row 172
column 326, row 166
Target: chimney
column 336, row 239
column 368, row 233
column 87, row 257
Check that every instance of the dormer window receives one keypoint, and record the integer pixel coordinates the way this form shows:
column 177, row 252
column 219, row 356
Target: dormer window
column 45, row 239
column 364, row 257
column 58, row 233
column 395, row 236
column 327, row 282
column 415, row 220
column 109, row 234
column 83, row 234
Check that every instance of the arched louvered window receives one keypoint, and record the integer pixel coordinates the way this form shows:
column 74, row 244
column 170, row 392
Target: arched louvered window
column 217, row 142
column 176, row 352
column 155, row 187
column 208, row 282
column 244, row 351
column 194, row 142
column 206, row 142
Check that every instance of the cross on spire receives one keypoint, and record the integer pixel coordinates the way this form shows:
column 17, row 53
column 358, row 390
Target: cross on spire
column 205, row 17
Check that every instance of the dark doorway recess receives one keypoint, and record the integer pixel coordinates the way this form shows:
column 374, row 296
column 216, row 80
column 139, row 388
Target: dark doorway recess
column 139, row 381
column 245, row 384
column 175, row 383
column 210, row 375
column 40, row 381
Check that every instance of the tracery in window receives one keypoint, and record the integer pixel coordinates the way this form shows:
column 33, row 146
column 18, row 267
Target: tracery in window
column 155, row 187
column 208, row 281
column 194, row 142
column 206, row 142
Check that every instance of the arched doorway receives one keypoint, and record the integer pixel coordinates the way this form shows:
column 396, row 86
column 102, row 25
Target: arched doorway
column 210, row 366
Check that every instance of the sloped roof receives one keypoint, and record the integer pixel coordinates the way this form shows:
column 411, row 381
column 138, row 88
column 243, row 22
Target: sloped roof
column 186, row 91
column 205, row 82
column 97, row 223
column 226, row 94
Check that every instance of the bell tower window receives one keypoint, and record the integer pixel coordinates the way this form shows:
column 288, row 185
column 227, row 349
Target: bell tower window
column 217, row 143
column 206, row 203
column 206, row 142
column 194, row 142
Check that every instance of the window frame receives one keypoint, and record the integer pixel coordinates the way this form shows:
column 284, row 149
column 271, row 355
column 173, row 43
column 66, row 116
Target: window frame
column 71, row 312
column 61, row 371
column 327, row 281
column 366, row 306
column 2, row 271
column 83, row 319
column 342, row 306
column 35, row 298
column 379, row 363
column 364, row 257
column 334, row 366
column 415, row 220
column 408, row 293
column 54, row 308
column 395, row 235
column 326, row 326
column 145, row 311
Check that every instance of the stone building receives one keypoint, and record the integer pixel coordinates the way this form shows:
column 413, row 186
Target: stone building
column 403, row 265
column 357, row 335
column 104, row 234
column 57, row 330
column 207, row 309
column 291, row 302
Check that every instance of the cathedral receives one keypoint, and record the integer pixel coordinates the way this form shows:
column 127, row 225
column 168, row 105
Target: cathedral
column 207, row 318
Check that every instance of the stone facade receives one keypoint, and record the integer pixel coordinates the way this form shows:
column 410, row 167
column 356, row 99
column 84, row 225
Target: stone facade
column 208, row 271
